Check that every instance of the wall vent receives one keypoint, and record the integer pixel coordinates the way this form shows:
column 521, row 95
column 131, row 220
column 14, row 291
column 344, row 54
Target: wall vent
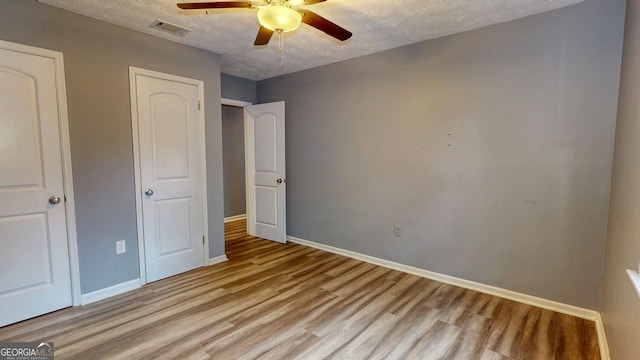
column 170, row 28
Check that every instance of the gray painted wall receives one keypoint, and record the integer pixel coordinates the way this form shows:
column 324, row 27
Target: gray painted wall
column 97, row 57
column 236, row 88
column 233, row 159
column 620, row 304
column 492, row 149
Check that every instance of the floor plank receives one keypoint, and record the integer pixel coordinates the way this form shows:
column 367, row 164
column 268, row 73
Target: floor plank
column 288, row 301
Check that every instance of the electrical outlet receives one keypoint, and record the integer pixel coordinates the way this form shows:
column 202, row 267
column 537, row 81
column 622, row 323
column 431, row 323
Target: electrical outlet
column 397, row 231
column 121, row 247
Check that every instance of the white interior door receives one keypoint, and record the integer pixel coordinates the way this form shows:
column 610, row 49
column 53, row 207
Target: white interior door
column 265, row 167
column 34, row 257
column 172, row 176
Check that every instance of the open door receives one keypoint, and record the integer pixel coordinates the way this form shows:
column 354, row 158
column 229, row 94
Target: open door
column 265, row 167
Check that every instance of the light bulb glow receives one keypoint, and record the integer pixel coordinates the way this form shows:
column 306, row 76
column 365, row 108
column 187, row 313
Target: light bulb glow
column 279, row 18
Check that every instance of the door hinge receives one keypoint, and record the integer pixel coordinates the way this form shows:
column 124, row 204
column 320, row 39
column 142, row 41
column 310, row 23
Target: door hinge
column 202, row 239
column 198, row 104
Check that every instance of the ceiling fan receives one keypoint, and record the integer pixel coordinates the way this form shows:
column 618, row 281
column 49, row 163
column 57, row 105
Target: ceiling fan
column 277, row 16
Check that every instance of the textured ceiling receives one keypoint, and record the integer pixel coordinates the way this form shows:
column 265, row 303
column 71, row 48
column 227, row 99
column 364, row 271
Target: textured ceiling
column 376, row 25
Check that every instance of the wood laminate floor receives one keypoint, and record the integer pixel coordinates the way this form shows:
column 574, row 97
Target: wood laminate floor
column 288, row 301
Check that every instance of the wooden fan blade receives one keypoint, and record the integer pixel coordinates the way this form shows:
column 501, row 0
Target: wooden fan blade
column 311, row 2
column 264, row 35
column 324, row 25
column 215, row 5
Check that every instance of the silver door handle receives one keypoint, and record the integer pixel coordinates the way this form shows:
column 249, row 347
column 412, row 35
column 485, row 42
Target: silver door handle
column 280, row 181
column 148, row 192
column 54, row 200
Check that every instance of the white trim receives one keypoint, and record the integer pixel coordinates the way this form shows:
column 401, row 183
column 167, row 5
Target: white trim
column 70, row 208
column 110, row 291
column 65, row 152
column 603, row 344
column 249, row 178
column 203, row 151
column 635, row 280
column 467, row 284
column 232, row 102
column 235, row 218
column 136, row 179
column 133, row 73
column 218, row 260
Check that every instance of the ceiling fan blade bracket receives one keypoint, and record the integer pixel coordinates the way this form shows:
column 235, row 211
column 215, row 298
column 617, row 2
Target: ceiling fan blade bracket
column 263, row 37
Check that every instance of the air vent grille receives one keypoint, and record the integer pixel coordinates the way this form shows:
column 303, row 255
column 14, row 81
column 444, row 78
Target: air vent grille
column 170, row 28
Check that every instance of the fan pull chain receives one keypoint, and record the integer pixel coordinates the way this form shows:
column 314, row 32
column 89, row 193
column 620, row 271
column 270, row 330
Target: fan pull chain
column 281, row 49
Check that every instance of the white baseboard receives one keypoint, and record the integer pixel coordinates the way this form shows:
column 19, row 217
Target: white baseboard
column 129, row 285
column 602, row 339
column 218, row 260
column 109, row 292
column 235, row 218
column 582, row 313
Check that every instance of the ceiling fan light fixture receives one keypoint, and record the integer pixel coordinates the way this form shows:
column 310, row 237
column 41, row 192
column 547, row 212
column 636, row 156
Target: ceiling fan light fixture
column 279, row 18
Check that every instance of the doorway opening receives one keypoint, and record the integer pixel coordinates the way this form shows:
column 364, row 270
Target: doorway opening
column 233, row 163
column 233, row 159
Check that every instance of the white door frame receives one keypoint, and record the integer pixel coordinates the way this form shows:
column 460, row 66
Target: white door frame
column 133, row 72
column 65, row 151
column 236, row 103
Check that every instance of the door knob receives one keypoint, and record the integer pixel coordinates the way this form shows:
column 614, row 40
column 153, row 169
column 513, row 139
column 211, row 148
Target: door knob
column 280, row 181
column 148, row 192
column 54, row 200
